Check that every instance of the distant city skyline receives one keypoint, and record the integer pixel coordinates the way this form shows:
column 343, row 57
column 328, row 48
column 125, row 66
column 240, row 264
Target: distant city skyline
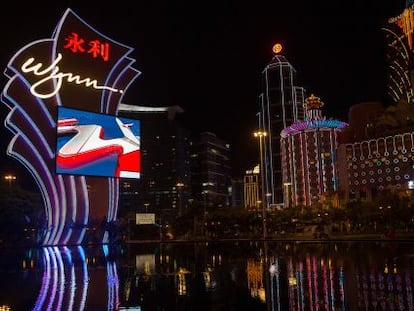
column 207, row 57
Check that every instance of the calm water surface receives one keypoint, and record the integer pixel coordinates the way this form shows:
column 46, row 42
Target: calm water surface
column 242, row 275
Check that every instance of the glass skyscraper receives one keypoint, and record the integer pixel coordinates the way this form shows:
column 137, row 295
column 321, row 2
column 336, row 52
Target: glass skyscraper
column 280, row 105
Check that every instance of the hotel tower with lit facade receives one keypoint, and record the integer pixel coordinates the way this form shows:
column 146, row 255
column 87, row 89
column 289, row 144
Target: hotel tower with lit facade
column 399, row 55
column 383, row 158
column 280, row 105
column 308, row 151
column 251, row 191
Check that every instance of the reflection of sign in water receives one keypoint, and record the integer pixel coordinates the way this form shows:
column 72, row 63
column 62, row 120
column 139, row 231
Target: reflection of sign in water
column 145, row 218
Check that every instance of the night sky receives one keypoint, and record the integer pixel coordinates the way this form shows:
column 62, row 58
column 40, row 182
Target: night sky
column 207, row 56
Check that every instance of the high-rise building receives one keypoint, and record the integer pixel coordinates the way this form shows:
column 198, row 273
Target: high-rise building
column 309, row 151
column 380, row 155
column 252, row 188
column 399, row 55
column 165, row 183
column 210, row 170
column 363, row 119
column 281, row 104
column 237, row 192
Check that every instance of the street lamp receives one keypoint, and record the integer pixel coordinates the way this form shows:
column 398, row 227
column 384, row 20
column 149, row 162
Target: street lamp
column 9, row 179
column 261, row 135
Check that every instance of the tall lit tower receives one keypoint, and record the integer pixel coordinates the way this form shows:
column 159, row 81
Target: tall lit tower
column 309, row 151
column 399, row 55
column 280, row 105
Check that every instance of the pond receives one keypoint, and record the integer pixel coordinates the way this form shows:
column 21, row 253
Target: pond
column 230, row 275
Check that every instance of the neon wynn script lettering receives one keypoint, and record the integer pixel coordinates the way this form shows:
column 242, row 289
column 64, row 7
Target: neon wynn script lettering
column 52, row 72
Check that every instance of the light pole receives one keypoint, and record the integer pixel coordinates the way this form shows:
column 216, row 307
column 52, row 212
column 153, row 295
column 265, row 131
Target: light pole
column 261, row 135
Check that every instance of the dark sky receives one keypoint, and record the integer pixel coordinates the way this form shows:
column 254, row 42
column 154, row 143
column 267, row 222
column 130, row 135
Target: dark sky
column 207, row 56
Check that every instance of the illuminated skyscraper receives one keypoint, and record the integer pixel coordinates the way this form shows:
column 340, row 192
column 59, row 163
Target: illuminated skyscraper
column 252, row 188
column 281, row 104
column 210, row 170
column 165, row 183
column 399, row 55
column 378, row 155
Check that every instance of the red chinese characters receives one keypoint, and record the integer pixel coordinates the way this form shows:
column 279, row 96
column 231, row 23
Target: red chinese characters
column 94, row 47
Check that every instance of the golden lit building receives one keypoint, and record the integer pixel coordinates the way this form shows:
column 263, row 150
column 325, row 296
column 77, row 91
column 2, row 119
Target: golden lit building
column 252, row 188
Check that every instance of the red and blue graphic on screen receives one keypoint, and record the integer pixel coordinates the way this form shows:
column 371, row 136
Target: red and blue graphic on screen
column 97, row 144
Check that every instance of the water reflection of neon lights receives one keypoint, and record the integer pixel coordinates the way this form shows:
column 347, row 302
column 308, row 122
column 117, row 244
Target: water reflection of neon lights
column 312, row 284
column 408, row 290
column 342, row 287
column 325, row 284
column 309, row 278
column 315, row 281
column 112, row 280
column 292, row 284
column 301, row 285
column 53, row 291
column 274, row 271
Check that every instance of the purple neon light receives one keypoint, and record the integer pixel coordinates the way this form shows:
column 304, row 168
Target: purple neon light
column 60, row 288
column 305, row 125
column 33, row 119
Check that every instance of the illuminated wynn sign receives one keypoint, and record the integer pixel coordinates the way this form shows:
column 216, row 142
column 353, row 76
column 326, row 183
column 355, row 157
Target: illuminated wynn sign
column 78, row 73
column 52, row 72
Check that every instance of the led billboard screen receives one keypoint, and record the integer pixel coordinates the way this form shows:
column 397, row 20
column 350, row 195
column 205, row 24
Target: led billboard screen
column 94, row 144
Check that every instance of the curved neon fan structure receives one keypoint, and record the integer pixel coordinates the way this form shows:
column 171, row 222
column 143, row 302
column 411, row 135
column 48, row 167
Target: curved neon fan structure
column 79, row 68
